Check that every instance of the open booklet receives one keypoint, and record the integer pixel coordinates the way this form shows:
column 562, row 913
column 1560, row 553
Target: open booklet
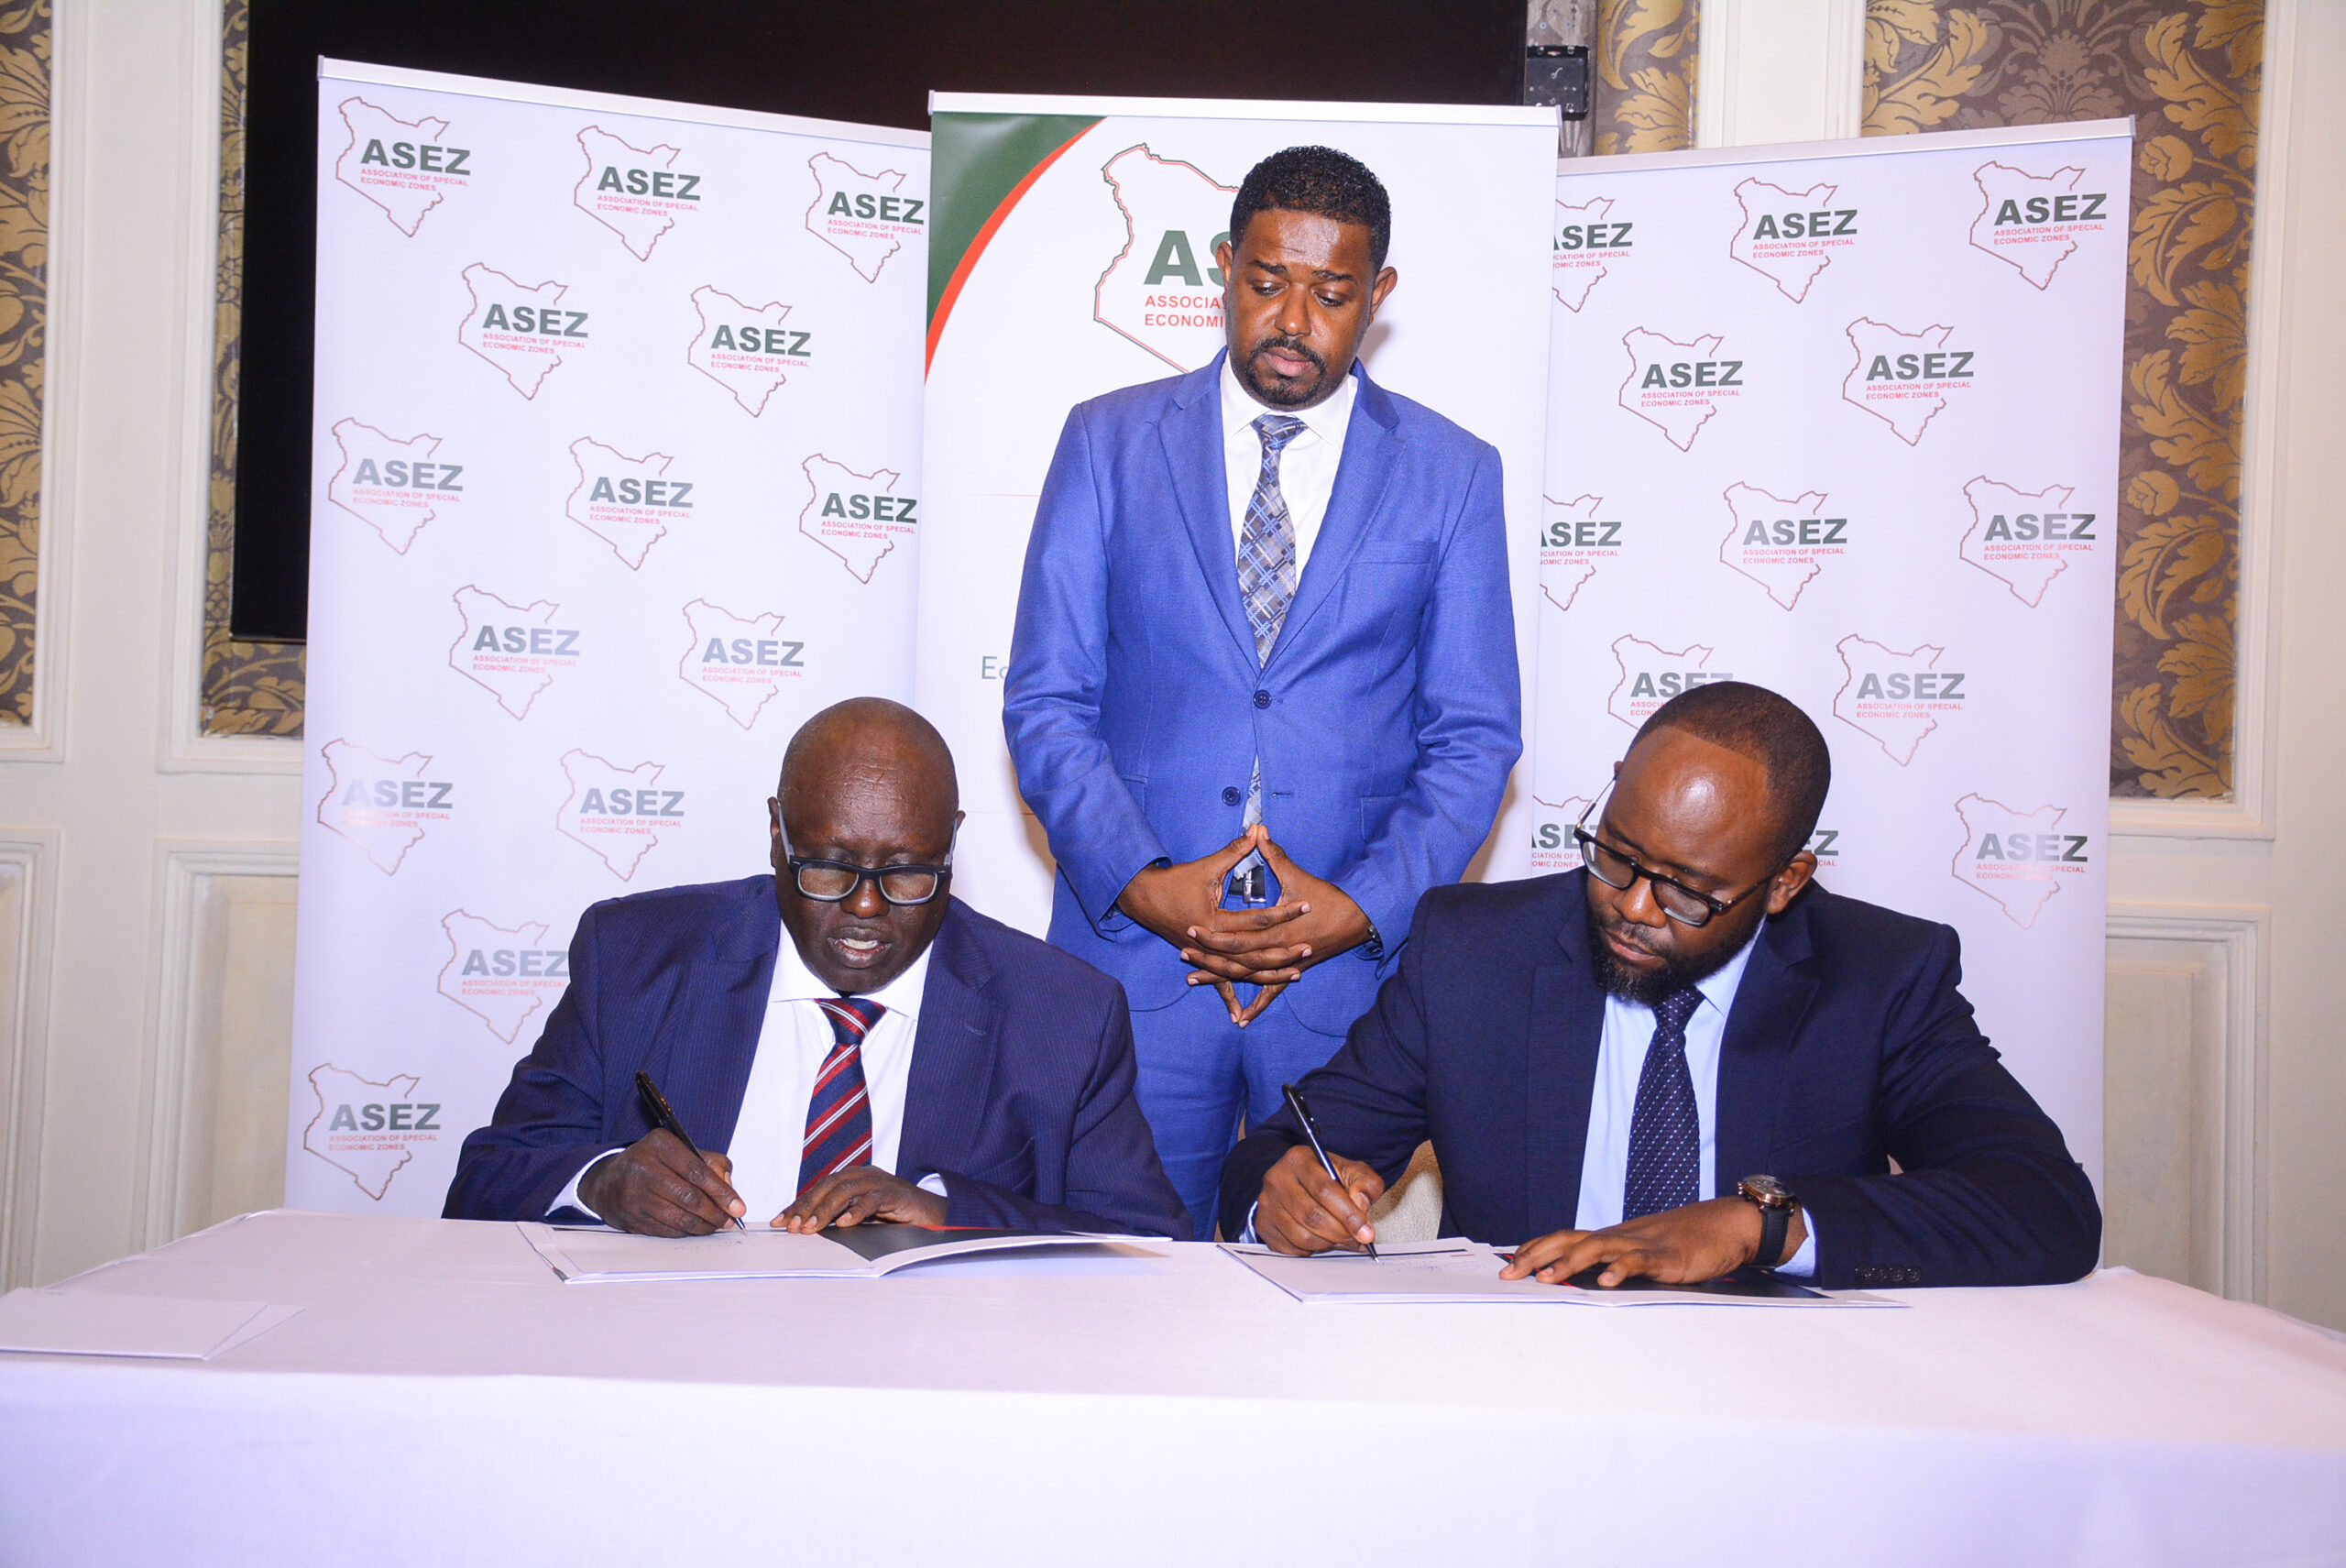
column 597, row 1256
column 1461, row 1270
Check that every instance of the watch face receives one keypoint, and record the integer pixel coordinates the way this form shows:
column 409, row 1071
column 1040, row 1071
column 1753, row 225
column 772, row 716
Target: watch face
column 1767, row 1190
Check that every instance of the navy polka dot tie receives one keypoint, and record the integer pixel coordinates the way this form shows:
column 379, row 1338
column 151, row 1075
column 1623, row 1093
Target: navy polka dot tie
column 1666, row 1131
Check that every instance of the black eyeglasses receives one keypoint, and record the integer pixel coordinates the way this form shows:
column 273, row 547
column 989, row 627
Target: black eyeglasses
column 836, row 882
column 1620, row 871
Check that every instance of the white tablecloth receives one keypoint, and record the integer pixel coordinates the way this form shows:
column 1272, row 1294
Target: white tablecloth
column 445, row 1400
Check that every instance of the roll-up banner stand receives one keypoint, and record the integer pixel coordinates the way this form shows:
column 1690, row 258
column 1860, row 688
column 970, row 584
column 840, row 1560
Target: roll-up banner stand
column 615, row 479
column 1075, row 256
column 1842, row 420
column 618, row 474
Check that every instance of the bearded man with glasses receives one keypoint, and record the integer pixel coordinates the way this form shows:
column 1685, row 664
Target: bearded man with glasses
column 899, row 1057
column 1686, row 1058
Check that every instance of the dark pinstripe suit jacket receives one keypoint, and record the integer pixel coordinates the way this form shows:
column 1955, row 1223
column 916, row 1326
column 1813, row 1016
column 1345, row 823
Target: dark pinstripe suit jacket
column 1021, row 1093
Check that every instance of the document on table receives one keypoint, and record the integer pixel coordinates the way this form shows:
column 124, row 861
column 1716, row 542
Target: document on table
column 97, row 1323
column 593, row 1256
column 1461, row 1270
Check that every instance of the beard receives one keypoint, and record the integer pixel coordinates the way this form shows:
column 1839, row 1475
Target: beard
column 1275, row 391
column 1618, row 979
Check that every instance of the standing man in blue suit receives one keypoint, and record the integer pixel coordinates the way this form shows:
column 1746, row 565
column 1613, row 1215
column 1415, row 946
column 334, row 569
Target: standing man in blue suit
column 863, row 1044
column 1269, row 599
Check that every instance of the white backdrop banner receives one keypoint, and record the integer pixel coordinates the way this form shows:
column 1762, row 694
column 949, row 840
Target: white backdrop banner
column 1075, row 256
column 1842, row 420
column 615, row 478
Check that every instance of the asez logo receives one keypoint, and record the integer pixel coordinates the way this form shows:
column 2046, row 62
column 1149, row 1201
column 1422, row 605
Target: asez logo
column 399, row 1116
column 1582, row 533
column 1693, row 373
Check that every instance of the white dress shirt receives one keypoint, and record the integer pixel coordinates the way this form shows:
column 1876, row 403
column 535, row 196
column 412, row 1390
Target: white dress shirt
column 1621, row 1059
column 1307, row 468
column 795, row 1037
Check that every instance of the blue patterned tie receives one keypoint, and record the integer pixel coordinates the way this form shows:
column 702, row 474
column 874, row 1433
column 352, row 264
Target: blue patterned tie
column 1267, row 576
column 838, row 1116
column 1266, row 544
column 1666, row 1131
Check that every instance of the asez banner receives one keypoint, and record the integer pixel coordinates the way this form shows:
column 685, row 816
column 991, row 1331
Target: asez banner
column 616, row 479
column 1075, row 255
column 1843, row 421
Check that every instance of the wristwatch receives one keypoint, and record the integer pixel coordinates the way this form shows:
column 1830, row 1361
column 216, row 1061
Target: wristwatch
column 1777, row 1207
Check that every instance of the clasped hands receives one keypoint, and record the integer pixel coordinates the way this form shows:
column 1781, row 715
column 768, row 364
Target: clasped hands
column 657, row 1187
column 1302, row 1211
column 1313, row 921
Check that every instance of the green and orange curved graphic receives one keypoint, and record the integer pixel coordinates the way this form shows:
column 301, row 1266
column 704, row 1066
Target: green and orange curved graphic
column 981, row 166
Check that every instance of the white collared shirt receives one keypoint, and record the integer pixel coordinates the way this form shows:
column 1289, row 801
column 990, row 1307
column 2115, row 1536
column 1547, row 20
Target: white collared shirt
column 792, row 1043
column 1307, row 466
column 1620, row 1061
column 796, row 1037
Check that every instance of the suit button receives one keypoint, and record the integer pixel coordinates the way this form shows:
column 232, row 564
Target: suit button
column 1231, row 796
column 1262, row 700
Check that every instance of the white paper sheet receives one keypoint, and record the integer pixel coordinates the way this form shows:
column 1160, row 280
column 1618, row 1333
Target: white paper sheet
column 586, row 1255
column 94, row 1322
column 1456, row 1270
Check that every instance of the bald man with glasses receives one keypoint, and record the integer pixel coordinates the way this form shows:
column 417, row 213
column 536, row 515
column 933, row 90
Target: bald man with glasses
column 1685, row 1059
column 843, row 1041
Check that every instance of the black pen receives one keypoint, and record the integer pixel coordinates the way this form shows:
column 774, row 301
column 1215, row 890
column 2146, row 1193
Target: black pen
column 1294, row 1104
column 657, row 1111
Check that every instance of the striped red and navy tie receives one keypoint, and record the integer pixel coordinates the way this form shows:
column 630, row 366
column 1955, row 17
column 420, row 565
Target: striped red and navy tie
column 838, row 1117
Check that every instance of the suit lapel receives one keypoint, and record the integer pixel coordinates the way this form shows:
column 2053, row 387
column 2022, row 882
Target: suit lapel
column 1362, row 474
column 704, row 1047
column 1567, row 1026
column 1191, row 435
column 953, row 1056
column 1756, row 1052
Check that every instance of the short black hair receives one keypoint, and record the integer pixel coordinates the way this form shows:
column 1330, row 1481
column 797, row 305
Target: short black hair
column 1772, row 731
column 1317, row 180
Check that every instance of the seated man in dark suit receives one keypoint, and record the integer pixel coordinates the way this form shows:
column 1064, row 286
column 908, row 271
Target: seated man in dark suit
column 899, row 1057
column 1598, row 1057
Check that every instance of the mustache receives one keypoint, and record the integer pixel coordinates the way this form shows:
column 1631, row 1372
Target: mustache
column 1294, row 346
column 1625, row 934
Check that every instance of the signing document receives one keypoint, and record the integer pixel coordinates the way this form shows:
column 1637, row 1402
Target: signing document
column 1461, row 1270
column 593, row 1256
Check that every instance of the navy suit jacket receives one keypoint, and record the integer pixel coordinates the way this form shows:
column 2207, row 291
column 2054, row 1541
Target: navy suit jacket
column 1386, row 720
column 1848, row 1045
column 1021, row 1093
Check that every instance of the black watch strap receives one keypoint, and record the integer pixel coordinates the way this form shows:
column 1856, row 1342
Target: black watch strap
column 1773, row 1222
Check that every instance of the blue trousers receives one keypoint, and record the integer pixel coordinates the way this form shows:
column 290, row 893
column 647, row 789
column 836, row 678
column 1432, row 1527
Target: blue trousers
column 1198, row 1072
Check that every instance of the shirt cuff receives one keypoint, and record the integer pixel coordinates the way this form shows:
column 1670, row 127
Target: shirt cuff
column 1248, row 1236
column 932, row 1182
column 570, row 1198
column 1801, row 1264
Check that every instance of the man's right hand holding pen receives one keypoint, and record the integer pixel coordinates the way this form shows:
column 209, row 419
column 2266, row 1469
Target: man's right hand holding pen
column 1302, row 1212
column 658, row 1186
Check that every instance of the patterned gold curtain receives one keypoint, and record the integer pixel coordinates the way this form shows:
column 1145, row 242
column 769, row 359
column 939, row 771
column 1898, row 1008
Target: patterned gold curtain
column 24, row 323
column 2190, row 73
column 249, row 688
column 1644, row 75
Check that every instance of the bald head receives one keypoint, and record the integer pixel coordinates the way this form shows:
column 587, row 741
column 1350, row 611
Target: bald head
column 867, row 736
column 867, row 783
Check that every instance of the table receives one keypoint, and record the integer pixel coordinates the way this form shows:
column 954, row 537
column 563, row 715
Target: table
column 445, row 1400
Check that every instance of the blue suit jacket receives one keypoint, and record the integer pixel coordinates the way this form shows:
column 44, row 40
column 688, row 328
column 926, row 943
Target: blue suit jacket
column 1849, row 1046
column 1386, row 720
column 1021, row 1094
